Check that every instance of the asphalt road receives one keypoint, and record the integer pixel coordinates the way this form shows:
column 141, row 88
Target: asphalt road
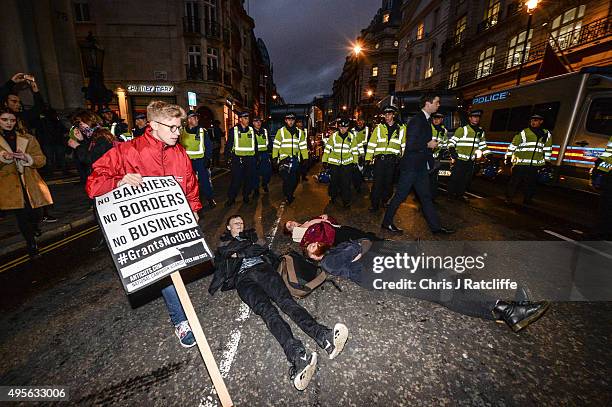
column 66, row 321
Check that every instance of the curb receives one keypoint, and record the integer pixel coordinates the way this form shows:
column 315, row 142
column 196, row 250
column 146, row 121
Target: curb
column 50, row 234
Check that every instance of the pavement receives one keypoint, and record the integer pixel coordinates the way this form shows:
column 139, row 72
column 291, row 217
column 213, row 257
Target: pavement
column 65, row 320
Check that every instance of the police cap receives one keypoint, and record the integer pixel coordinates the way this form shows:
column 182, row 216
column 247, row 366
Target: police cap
column 536, row 117
column 390, row 109
column 476, row 113
column 344, row 122
column 437, row 116
column 192, row 114
column 140, row 116
column 243, row 114
column 290, row 116
column 105, row 110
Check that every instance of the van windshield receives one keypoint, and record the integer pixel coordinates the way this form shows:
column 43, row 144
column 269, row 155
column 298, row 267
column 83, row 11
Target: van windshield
column 599, row 119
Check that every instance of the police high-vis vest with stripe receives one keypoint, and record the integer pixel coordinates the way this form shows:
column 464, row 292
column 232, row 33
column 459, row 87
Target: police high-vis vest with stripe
column 362, row 138
column 527, row 149
column 380, row 144
column 262, row 141
column 466, row 143
column 606, row 158
column 441, row 136
column 127, row 136
column 288, row 145
column 193, row 143
column 341, row 151
column 244, row 143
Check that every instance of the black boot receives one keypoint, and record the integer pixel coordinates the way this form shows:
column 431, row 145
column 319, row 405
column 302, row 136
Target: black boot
column 519, row 314
column 32, row 248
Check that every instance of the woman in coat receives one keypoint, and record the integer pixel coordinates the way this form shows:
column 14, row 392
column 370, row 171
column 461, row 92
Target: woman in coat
column 23, row 190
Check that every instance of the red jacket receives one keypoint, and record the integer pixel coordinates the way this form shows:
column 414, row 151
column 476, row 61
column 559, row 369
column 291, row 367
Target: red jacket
column 322, row 232
column 147, row 156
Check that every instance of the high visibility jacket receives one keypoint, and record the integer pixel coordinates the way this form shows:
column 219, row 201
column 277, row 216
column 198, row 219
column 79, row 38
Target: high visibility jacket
column 288, row 145
column 606, row 158
column 341, row 151
column 126, row 136
column 527, row 149
column 380, row 144
column 262, row 140
column 363, row 136
column 441, row 136
column 194, row 143
column 112, row 127
column 467, row 142
column 148, row 157
column 244, row 144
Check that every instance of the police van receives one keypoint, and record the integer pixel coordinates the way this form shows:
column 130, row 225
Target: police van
column 577, row 110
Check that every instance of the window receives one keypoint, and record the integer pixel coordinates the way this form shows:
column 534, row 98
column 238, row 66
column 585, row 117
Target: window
column 566, row 27
column 517, row 46
column 393, row 69
column 459, row 29
column 374, row 71
column 210, row 11
column 519, row 118
column 436, row 18
column 386, row 17
column 549, row 111
column 430, row 62
column 499, row 119
column 420, row 31
column 454, row 75
column 599, row 119
column 194, row 56
column 212, row 59
column 81, row 12
column 417, row 69
column 486, row 60
column 492, row 13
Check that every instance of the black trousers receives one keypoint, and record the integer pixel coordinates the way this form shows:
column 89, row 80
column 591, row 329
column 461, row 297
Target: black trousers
column 290, row 177
column 419, row 179
column 27, row 219
column 304, row 167
column 460, row 179
column 348, row 233
column 433, row 183
column 244, row 170
column 605, row 207
column 261, row 286
column 341, row 177
column 384, row 170
column 357, row 178
column 525, row 176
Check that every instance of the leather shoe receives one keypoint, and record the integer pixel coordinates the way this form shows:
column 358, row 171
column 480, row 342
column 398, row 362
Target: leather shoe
column 444, row 231
column 392, row 228
column 517, row 315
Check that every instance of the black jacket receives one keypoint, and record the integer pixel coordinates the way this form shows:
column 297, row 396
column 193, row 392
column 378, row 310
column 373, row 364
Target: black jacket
column 418, row 134
column 227, row 266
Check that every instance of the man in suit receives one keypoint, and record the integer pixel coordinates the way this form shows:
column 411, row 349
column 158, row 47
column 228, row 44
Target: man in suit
column 414, row 168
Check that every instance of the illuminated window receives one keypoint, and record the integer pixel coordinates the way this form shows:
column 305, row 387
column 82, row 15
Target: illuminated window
column 374, row 71
column 460, row 29
column 486, row 60
column 377, row 45
column 395, row 43
column 454, row 75
column 420, row 31
column 386, row 17
column 393, row 69
column 516, row 47
column 492, row 15
column 566, row 27
column 430, row 62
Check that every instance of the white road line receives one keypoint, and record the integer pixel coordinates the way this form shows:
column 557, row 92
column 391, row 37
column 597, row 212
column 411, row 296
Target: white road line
column 474, row 195
column 567, row 239
column 231, row 348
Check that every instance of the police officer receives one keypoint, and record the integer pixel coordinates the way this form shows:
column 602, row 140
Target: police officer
column 439, row 134
column 140, row 123
column 264, row 165
column 466, row 146
column 111, row 122
column 241, row 148
column 341, row 155
column 530, row 150
column 199, row 149
column 362, row 135
column 385, row 148
column 603, row 166
column 290, row 146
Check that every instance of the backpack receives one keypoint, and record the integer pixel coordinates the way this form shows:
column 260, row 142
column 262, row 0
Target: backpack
column 300, row 275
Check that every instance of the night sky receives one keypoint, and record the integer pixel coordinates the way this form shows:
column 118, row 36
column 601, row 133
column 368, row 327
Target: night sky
column 308, row 40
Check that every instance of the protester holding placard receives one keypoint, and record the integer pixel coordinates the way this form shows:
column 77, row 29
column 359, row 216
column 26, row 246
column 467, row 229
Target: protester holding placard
column 155, row 153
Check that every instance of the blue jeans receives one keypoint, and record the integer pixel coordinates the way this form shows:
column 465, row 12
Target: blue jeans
column 175, row 309
column 199, row 167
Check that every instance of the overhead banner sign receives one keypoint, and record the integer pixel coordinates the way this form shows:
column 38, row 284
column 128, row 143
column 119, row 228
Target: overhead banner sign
column 150, row 88
column 151, row 231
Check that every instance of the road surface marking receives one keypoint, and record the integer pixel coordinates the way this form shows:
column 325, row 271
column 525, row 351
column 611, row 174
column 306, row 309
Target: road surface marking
column 567, row 239
column 231, row 348
column 474, row 195
column 20, row 260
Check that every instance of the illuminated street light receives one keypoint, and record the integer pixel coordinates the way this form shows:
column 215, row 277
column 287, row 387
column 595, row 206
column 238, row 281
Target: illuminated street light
column 274, row 97
column 369, row 92
column 357, row 49
column 531, row 5
column 344, row 107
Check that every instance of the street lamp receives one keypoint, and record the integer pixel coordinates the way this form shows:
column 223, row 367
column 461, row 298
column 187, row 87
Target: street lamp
column 93, row 62
column 531, row 6
column 369, row 93
column 357, row 49
column 344, row 107
column 274, row 97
